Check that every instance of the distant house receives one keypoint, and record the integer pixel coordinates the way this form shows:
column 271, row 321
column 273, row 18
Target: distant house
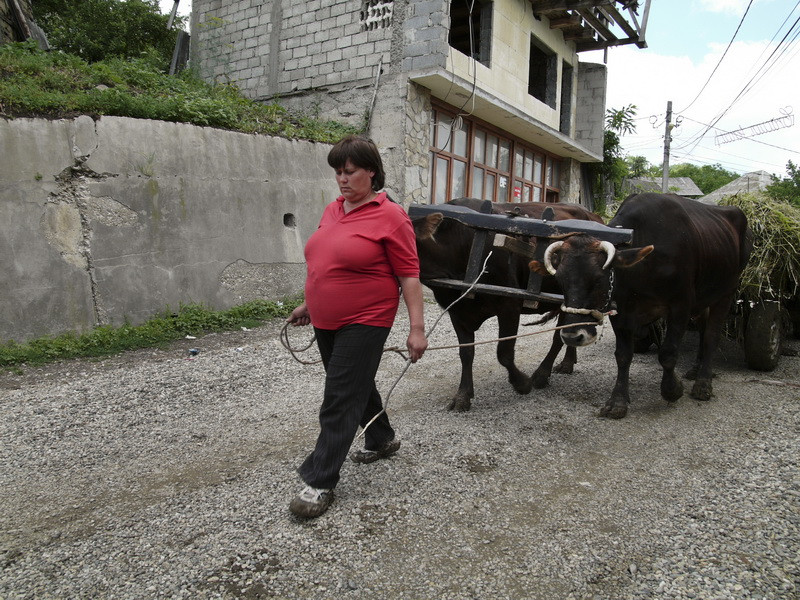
column 683, row 186
column 485, row 98
column 749, row 182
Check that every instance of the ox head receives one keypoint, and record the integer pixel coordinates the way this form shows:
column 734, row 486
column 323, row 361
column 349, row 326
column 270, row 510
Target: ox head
column 583, row 267
column 442, row 245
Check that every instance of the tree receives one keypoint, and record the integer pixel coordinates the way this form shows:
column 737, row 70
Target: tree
column 609, row 174
column 639, row 166
column 620, row 120
column 788, row 188
column 99, row 29
column 708, row 177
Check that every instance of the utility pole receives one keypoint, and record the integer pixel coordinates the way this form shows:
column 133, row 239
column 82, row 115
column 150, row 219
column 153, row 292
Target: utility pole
column 667, row 139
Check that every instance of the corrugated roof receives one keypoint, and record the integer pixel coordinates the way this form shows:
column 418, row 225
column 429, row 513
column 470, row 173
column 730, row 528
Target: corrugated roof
column 749, row 182
column 683, row 186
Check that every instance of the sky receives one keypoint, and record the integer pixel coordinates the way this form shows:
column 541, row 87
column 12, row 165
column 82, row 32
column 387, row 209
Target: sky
column 686, row 42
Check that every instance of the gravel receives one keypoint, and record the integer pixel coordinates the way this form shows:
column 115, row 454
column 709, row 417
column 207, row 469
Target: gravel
column 161, row 474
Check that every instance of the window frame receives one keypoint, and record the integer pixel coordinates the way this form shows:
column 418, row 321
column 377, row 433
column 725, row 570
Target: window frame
column 533, row 189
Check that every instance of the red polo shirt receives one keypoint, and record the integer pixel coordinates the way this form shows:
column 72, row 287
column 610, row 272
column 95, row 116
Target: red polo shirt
column 353, row 262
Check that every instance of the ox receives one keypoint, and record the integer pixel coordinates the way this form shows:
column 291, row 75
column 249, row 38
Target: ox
column 685, row 263
column 444, row 246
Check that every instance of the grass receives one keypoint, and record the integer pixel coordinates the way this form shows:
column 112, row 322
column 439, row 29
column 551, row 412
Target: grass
column 190, row 319
column 59, row 85
column 774, row 267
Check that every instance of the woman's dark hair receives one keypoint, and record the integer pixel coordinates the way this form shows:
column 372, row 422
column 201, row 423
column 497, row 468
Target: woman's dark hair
column 361, row 152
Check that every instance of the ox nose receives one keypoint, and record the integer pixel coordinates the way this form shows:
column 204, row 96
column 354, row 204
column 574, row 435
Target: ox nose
column 581, row 336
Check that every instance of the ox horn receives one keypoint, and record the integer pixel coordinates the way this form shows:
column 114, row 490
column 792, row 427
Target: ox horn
column 548, row 253
column 610, row 251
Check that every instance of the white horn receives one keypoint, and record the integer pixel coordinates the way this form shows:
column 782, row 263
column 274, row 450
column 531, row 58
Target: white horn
column 610, row 251
column 548, row 253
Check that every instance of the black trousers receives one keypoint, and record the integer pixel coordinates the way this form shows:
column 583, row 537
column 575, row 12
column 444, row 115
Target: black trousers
column 351, row 356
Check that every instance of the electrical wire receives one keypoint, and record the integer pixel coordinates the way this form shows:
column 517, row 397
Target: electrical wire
column 730, row 43
column 768, row 64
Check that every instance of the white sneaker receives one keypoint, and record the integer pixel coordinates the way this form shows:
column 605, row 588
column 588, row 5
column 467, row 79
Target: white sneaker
column 311, row 502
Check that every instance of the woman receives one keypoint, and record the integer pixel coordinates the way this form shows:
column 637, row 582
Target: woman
column 358, row 260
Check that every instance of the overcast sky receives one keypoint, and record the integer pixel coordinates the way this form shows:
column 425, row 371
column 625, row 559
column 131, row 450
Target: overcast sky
column 757, row 81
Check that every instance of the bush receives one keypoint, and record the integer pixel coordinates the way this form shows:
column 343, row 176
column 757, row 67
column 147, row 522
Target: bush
column 100, row 29
column 54, row 84
column 191, row 319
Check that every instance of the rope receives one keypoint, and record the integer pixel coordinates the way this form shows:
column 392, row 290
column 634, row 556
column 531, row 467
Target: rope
column 284, row 337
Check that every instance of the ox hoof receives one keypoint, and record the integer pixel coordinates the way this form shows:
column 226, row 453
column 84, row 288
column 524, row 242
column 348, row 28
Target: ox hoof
column 523, row 386
column 565, row 368
column 671, row 390
column 614, row 411
column 540, row 380
column 691, row 374
column 701, row 390
column 459, row 404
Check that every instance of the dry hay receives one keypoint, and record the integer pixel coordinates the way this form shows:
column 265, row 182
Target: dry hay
column 774, row 267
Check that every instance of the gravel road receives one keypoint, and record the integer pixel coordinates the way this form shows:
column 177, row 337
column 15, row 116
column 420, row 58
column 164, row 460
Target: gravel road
column 159, row 475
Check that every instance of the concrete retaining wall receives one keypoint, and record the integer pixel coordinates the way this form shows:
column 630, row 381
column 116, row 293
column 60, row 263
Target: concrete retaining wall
column 103, row 221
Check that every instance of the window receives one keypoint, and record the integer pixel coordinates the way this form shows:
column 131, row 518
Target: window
column 449, row 158
column 471, row 158
column 376, row 14
column 471, row 29
column 542, row 75
column 565, row 125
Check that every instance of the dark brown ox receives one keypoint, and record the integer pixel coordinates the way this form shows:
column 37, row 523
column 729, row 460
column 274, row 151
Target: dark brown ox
column 444, row 247
column 685, row 263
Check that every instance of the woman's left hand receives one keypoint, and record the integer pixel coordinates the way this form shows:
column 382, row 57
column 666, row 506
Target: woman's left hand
column 417, row 343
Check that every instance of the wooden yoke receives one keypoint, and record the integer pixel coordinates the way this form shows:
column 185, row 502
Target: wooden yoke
column 519, row 234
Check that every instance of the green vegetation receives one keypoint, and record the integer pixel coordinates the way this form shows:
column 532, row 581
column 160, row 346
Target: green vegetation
column 609, row 174
column 191, row 319
column 55, row 84
column 708, row 177
column 788, row 188
column 774, row 267
column 100, row 29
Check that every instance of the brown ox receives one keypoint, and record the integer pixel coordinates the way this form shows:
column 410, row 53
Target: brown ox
column 685, row 262
column 444, row 246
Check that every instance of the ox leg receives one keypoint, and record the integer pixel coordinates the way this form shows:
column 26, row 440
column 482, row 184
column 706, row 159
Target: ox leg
column 671, row 386
column 616, row 407
column 466, row 391
column 567, row 365
column 701, row 328
column 541, row 377
column 709, row 339
column 508, row 325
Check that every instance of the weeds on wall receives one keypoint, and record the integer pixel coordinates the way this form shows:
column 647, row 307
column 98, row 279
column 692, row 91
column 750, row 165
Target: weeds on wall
column 59, row 85
column 190, row 319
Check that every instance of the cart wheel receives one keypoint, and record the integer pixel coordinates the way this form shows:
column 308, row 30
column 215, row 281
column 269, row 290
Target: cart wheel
column 763, row 338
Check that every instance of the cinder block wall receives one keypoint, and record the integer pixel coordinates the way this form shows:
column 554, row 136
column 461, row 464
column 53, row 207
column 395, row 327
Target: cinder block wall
column 115, row 219
column 591, row 106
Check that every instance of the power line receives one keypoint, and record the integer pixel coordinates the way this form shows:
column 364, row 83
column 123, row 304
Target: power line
column 738, row 27
column 761, row 71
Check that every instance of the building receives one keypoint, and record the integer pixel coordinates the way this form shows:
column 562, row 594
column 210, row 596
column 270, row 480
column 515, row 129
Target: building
column 473, row 98
column 683, row 186
column 756, row 181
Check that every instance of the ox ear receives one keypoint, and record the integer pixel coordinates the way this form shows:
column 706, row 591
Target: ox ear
column 631, row 256
column 428, row 226
column 538, row 267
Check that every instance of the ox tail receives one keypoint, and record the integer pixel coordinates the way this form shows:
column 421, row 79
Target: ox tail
column 548, row 316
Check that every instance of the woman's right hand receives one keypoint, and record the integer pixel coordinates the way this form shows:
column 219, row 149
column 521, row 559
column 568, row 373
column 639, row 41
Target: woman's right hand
column 299, row 316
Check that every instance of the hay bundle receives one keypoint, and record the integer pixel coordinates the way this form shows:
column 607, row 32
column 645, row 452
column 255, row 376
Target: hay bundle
column 774, row 267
